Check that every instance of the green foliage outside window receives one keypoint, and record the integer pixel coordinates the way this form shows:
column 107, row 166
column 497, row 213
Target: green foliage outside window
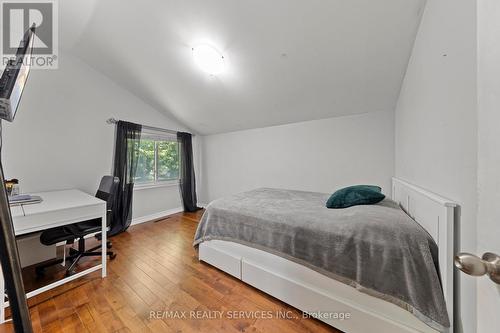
column 158, row 161
column 168, row 160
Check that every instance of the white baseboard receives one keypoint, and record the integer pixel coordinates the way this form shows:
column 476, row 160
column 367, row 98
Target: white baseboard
column 156, row 216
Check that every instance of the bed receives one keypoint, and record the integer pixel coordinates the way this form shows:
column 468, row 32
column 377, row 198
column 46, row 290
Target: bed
column 370, row 262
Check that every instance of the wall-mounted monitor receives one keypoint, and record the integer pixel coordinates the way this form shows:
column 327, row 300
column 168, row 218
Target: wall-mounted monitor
column 15, row 75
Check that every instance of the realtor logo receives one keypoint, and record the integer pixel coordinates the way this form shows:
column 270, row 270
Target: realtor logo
column 17, row 17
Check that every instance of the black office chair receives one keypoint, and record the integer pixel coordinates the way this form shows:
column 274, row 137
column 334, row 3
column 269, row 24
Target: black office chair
column 78, row 231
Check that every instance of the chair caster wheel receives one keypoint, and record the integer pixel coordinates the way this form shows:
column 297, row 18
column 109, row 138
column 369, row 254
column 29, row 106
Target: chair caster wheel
column 112, row 256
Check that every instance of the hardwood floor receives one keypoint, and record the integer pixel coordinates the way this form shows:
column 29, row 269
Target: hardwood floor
column 155, row 280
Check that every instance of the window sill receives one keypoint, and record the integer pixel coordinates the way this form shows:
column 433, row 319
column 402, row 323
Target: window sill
column 140, row 187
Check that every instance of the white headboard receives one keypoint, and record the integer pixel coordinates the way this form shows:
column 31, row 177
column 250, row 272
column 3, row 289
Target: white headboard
column 436, row 215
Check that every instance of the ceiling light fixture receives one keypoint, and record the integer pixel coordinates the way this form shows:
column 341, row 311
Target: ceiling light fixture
column 208, row 59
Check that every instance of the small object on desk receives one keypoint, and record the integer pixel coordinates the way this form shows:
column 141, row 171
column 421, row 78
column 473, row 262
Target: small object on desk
column 15, row 190
column 19, row 197
column 24, row 199
column 9, row 185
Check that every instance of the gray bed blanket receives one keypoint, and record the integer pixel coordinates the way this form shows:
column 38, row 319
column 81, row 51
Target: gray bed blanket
column 377, row 249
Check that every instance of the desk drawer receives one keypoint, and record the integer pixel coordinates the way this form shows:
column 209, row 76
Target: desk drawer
column 31, row 251
column 47, row 220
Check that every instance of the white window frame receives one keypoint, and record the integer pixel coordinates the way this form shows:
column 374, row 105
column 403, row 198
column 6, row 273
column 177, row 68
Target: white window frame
column 157, row 136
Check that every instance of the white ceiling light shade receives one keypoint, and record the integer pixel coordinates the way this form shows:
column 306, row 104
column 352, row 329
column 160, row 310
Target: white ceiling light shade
column 208, row 59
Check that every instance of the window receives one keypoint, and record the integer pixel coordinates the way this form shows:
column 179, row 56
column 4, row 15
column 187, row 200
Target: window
column 158, row 160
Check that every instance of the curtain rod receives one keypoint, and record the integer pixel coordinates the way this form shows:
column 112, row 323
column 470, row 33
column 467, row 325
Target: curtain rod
column 114, row 121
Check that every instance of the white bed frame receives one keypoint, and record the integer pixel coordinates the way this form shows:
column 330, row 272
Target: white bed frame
column 312, row 292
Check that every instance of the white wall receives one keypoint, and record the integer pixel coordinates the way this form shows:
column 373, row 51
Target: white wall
column 319, row 155
column 488, row 303
column 436, row 122
column 60, row 138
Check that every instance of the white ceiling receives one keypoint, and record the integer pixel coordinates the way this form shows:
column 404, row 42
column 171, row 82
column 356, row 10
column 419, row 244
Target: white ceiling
column 287, row 60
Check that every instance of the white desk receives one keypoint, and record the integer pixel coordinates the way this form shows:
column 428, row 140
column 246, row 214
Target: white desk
column 58, row 208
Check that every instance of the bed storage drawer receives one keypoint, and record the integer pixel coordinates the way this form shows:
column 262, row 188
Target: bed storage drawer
column 221, row 259
column 316, row 300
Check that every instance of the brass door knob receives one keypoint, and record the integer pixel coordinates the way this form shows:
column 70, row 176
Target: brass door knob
column 470, row 264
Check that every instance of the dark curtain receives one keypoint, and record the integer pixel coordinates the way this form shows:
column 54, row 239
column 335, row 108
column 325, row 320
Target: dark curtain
column 128, row 139
column 187, row 180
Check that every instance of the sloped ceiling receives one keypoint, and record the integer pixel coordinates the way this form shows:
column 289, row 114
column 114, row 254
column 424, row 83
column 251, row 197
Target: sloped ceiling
column 287, row 60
